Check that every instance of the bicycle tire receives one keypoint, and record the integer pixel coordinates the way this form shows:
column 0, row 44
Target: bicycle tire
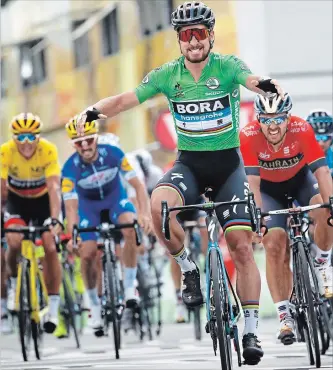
column 311, row 313
column 197, row 323
column 69, row 303
column 324, row 336
column 37, row 331
column 144, row 293
column 24, row 314
column 111, row 299
column 219, row 302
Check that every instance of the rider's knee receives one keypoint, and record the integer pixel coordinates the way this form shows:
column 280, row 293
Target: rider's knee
column 275, row 243
column 49, row 244
column 14, row 242
column 129, row 236
column 169, row 195
column 87, row 252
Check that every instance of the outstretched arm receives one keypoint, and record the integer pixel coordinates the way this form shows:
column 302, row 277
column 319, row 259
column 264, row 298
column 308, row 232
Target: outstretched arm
column 113, row 105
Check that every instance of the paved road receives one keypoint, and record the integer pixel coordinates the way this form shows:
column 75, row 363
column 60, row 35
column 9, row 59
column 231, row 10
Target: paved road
column 175, row 350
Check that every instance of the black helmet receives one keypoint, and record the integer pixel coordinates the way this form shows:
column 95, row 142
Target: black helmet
column 192, row 12
column 321, row 122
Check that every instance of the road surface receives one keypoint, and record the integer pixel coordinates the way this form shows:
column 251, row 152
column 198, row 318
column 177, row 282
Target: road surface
column 175, row 349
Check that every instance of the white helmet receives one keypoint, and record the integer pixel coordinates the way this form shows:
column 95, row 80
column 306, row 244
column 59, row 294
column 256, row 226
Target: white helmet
column 109, row 138
column 144, row 158
column 272, row 104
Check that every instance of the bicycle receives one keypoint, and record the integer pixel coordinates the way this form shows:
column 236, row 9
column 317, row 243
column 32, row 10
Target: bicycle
column 70, row 303
column 324, row 311
column 194, row 253
column 113, row 305
column 305, row 295
column 149, row 287
column 31, row 302
column 222, row 305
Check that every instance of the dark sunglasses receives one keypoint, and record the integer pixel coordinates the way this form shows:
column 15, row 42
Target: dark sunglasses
column 26, row 137
column 323, row 137
column 269, row 120
column 199, row 33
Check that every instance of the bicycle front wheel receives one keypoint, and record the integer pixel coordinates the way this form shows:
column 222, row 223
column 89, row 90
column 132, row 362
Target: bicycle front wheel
column 197, row 323
column 220, row 304
column 24, row 314
column 308, row 301
column 110, row 271
column 70, row 307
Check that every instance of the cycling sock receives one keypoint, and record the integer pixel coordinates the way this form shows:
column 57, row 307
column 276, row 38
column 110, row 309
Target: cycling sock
column 322, row 257
column 251, row 315
column 93, row 297
column 129, row 277
column 54, row 301
column 3, row 306
column 283, row 309
column 184, row 261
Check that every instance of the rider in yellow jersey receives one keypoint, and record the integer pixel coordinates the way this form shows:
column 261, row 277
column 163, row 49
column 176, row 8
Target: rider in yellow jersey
column 30, row 193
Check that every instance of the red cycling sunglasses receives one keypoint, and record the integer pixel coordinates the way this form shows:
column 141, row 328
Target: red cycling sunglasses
column 88, row 140
column 199, row 33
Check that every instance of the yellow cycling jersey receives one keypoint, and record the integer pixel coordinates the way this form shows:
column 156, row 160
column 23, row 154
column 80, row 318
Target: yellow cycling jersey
column 27, row 177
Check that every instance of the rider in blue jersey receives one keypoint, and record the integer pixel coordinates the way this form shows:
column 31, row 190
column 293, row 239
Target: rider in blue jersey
column 91, row 182
column 322, row 123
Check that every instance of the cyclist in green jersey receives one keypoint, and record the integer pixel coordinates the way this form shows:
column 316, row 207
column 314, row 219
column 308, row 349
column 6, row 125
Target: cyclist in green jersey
column 203, row 91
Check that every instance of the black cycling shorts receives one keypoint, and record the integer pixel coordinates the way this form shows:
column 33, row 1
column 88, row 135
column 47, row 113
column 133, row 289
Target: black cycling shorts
column 221, row 170
column 31, row 210
column 302, row 187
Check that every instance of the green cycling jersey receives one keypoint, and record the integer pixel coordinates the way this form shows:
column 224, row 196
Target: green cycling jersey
column 206, row 112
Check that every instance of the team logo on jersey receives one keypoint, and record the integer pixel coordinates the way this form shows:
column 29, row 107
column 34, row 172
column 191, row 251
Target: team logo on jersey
column 67, row 185
column 212, row 83
column 125, row 165
column 281, row 163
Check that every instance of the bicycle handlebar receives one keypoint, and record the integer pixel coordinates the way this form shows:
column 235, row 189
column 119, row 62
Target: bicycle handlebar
column 26, row 230
column 298, row 211
column 105, row 227
column 208, row 206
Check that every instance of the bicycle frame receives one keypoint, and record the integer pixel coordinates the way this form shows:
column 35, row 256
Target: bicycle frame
column 28, row 253
column 212, row 228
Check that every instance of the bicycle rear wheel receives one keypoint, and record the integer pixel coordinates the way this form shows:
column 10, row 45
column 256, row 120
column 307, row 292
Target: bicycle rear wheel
column 24, row 314
column 70, row 308
column 111, row 297
column 308, row 298
column 220, row 304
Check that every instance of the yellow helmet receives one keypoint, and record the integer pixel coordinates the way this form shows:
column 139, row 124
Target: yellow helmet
column 89, row 128
column 26, row 123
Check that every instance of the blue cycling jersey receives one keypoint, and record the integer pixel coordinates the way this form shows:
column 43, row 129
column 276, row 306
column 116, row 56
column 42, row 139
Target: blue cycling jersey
column 98, row 180
column 329, row 159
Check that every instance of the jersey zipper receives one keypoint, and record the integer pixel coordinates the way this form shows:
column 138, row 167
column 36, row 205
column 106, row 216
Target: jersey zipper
column 101, row 192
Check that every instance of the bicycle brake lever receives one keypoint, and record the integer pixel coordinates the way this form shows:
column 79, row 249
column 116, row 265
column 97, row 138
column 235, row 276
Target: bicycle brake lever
column 165, row 220
column 138, row 233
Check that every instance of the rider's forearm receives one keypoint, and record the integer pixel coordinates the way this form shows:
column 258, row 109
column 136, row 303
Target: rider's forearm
column 53, row 187
column 254, row 183
column 113, row 105
column 323, row 176
column 71, row 208
column 142, row 198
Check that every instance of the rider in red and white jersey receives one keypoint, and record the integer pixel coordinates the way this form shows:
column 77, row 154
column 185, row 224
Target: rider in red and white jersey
column 282, row 157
